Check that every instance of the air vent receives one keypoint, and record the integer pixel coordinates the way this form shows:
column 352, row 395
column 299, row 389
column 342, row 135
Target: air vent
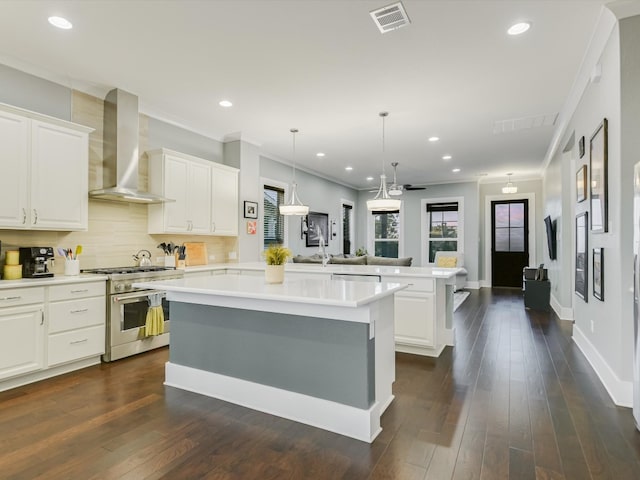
column 524, row 123
column 390, row 17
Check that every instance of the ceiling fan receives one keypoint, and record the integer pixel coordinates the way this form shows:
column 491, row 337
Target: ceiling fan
column 396, row 189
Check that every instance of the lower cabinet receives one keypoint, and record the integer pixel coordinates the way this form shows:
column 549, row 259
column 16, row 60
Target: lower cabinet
column 414, row 318
column 21, row 340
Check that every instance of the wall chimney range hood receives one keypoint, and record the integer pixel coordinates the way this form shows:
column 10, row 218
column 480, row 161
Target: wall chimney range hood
column 120, row 152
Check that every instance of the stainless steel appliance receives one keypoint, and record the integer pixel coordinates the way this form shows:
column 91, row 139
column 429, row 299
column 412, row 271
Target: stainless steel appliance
column 127, row 309
column 34, row 261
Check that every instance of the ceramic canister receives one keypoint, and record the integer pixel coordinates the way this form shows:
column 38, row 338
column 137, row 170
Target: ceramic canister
column 12, row 257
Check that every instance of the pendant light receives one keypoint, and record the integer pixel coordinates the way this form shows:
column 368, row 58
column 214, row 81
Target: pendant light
column 509, row 187
column 382, row 201
column 294, row 206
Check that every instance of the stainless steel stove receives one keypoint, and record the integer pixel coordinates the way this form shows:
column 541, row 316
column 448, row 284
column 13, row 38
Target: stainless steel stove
column 127, row 309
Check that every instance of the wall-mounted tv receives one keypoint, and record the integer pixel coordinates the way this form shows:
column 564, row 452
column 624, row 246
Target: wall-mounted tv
column 551, row 236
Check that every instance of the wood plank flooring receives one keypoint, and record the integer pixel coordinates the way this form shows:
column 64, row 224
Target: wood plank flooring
column 514, row 399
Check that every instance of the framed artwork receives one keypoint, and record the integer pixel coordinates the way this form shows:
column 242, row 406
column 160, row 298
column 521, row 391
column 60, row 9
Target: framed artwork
column 252, row 227
column 317, row 224
column 582, row 262
column 581, row 184
column 598, row 273
column 598, row 147
column 250, row 209
column 581, row 146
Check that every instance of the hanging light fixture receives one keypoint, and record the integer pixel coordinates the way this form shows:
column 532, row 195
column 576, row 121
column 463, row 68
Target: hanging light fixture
column 294, row 206
column 509, row 187
column 382, row 201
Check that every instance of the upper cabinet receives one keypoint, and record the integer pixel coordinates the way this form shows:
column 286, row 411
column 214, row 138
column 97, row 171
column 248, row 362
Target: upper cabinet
column 205, row 194
column 45, row 164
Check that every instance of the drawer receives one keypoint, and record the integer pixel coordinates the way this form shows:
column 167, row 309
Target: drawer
column 415, row 283
column 12, row 297
column 73, row 314
column 76, row 290
column 77, row 344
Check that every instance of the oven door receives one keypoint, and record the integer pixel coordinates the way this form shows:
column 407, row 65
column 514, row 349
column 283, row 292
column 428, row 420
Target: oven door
column 129, row 316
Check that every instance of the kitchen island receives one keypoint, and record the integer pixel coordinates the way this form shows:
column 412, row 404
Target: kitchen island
column 423, row 311
column 317, row 351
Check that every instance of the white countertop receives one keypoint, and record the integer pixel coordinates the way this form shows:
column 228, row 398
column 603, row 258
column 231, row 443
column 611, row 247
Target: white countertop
column 55, row 280
column 425, row 272
column 306, row 291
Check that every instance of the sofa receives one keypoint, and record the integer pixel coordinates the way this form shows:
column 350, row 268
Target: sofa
column 452, row 260
column 341, row 259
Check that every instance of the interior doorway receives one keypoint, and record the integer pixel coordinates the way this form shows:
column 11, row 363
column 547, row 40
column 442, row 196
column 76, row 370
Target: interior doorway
column 509, row 242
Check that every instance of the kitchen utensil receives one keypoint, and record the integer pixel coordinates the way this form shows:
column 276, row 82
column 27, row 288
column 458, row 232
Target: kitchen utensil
column 143, row 258
column 62, row 252
column 78, row 251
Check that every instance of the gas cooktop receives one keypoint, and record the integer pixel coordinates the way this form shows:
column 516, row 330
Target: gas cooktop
column 125, row 270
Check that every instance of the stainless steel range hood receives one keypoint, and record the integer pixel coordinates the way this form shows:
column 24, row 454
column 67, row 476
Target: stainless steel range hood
column 120, row 152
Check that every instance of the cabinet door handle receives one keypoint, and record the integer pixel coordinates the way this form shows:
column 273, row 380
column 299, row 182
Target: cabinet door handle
column 80, row 291
column 24, row 216
column 80, row 310
column 35, row 215
column 41, row 317
column 75, row 342
column 213, row 226
column 11, row 298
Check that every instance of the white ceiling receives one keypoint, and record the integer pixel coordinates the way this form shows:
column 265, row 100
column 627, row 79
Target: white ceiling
column 323, row 67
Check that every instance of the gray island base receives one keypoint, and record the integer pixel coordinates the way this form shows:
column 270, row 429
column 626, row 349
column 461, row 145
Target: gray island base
column 319, row 352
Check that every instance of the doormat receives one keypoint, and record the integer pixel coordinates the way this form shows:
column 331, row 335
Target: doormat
column 459, row 298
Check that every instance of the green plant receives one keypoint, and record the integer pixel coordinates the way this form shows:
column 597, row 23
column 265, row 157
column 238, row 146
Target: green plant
column 276, row 254
column 361, row 251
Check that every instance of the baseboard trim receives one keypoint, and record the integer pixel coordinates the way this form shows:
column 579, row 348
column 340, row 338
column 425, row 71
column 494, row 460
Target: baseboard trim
column 563, row 313
column 620, row 391
column 474, row 285
column 485, row 284
column 361, row 424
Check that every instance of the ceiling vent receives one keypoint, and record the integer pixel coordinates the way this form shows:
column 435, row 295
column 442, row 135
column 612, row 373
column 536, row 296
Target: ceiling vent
column 524, row 123
column 390, row 17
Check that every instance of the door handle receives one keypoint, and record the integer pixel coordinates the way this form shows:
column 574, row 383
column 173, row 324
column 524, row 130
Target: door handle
column 24, row 216
column 11, row 298
column 81, row 310
column 35, row 214
column 75, row 342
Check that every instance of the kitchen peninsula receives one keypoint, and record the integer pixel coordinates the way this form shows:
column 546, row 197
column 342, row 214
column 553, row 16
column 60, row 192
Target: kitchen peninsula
column 317, row 351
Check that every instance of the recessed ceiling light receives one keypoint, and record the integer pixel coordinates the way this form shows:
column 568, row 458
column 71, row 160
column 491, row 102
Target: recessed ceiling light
column 225, row 103
column 319, row 154
column 348, row 169
column 60, row 22
column 519, row 28
column 455, row 170
column 447, row 157
column 369, row 179
column 434, row 139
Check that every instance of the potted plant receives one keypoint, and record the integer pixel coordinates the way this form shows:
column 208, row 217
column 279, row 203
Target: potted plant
column 275, row 256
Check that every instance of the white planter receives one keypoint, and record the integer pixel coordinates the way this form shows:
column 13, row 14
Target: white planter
column 274, row 274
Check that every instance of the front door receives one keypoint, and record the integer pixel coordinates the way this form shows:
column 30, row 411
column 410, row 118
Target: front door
column 509, row 242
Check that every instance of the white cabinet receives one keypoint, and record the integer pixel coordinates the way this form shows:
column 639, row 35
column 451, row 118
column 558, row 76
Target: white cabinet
column 76, row 322
column 205, row 194
column 45, row 163
column 414, row 316
column 224, row 201
column 21, row 331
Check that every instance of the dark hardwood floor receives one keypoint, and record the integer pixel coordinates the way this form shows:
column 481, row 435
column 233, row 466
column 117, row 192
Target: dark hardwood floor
column 514, row 399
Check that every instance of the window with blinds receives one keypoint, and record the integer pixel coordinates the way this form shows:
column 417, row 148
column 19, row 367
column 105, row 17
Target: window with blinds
column 442, row 225
column 347, row 212
column 273, row 222
column 386, row 239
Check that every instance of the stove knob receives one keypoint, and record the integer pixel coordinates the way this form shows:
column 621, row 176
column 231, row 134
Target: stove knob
column 119, row 287
column 128, row 286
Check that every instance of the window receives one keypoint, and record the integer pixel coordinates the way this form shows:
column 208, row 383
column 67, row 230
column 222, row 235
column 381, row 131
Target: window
column 510, row 220
column 386, row 238
column 347, row 223
column 443, row 221
column 272, row 220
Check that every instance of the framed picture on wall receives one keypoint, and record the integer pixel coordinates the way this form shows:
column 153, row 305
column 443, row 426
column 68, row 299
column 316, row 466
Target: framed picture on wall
column 598, row 273
column 250, row 209
column 598, row 147
column 581, row 146
column 582, row 262
column 317, row 223
column 581, row 184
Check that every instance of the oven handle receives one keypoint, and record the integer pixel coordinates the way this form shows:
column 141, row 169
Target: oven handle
column 136, row 297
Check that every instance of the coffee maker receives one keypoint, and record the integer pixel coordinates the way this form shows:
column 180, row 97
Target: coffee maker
column 34, row 261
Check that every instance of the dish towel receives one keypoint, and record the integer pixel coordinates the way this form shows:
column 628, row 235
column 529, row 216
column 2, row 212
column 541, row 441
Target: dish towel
column 155, row 316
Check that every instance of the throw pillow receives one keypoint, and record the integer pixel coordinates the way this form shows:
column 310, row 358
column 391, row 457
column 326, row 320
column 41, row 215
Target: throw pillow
column 390, row 262
column 348, row 261
column 447, row 262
